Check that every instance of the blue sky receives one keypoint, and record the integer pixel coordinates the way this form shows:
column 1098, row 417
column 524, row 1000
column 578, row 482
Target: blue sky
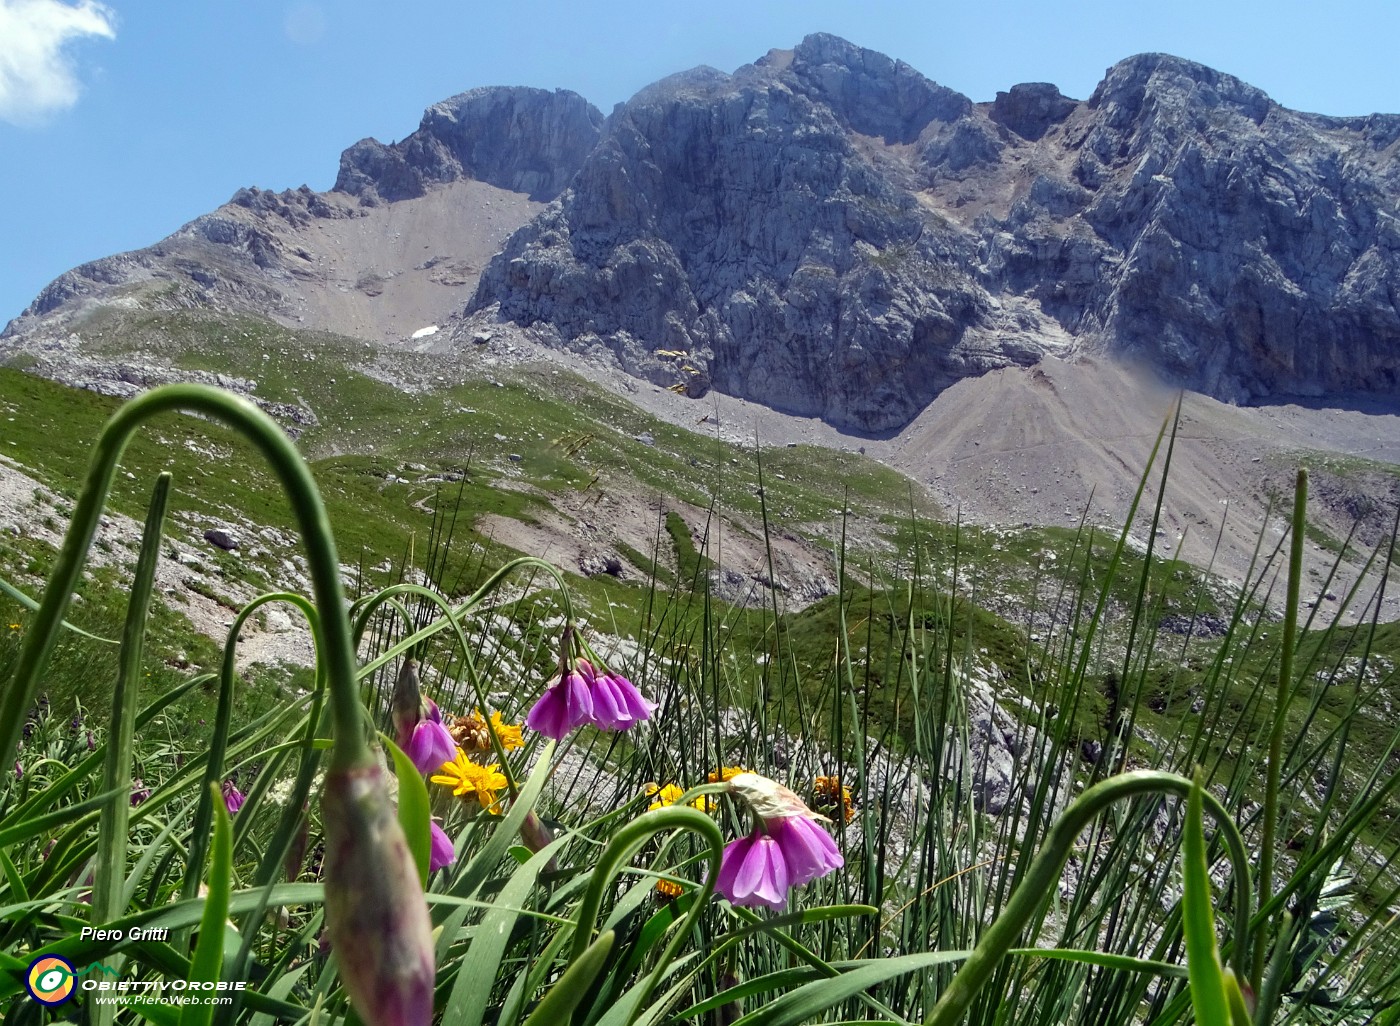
column 121, row 121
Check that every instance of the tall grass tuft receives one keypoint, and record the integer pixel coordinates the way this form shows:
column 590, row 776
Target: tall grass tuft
column 1091, row 816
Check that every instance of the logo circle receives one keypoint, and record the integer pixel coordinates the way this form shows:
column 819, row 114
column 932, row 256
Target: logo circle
column 50, row 980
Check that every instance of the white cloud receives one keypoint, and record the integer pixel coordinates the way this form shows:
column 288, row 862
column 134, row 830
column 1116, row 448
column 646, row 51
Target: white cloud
column 36, row 76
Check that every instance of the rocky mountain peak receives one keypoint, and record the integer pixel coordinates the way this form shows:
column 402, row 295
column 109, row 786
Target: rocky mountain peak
column 1029, row 109
column 530, row 141
column 738, row 232
column 1158, row 84
column 831, row 233
column 871, row 93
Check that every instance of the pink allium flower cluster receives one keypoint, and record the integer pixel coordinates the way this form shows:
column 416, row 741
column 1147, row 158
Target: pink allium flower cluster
column 789, row 847
column 429, row 744
column 585, row 695
column 233, row 797
column 442, row 853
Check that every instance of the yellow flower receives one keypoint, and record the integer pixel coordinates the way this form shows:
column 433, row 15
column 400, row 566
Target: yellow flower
column 470, row 732
column 669, row 795
column 509, row 733
column 726, row 773
column 831, row 797
column 472, row 781
column 14, row 626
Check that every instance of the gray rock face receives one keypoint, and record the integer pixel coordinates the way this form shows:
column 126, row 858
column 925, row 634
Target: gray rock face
column 1030, row 109
column 731, row 231
column 524, row 140
column 1258, row 249
column 251, row 254
column 830, row 233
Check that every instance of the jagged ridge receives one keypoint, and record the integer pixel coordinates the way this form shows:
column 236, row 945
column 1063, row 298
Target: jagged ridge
column 828, row 232
column 831, row 233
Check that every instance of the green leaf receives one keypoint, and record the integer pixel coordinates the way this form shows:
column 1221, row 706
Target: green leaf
column 801, row 1005
column 25, row 829
column 280, row 990
column 1107, row 960
column 144, row 863
column 12, row 879
column 471, row 992
column 414, row 816
column 1198, row 918
column 209, row 952
column 557, row 1007
column 109, row 877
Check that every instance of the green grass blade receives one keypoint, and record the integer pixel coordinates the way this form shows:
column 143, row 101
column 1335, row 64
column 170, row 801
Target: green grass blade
column 1274, row 763
column 557, row 1007
column 801, row 1005
column 1106, row 959
column 414, row 816
column 1198, row 918
column 109, row 879
column 208, row 960
column 480, row 967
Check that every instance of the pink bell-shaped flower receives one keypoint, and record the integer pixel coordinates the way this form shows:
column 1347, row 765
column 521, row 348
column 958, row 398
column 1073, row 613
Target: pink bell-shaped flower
column 753, row 871
column 430, row 744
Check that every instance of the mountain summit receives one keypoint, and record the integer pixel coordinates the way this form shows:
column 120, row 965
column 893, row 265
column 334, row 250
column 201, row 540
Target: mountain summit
column 828, row 232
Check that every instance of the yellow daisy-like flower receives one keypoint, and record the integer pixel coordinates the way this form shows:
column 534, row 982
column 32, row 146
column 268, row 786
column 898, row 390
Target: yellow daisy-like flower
column 669, row 794
column 472, row 781
column 509, row 733
column 726, row 773
column 470, row 732
column 832, row 797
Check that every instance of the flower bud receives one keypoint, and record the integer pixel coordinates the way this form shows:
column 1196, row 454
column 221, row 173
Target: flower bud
column 375, row 912
column 406, row 703
column 233, row 797
column 442, row 852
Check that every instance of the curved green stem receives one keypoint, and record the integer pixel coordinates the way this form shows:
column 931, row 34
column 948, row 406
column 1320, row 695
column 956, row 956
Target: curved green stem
column 468, row 604
column 623, row 845
column 223, row 722
column 363, row 608
column 1041, row 878
column 351, row 746
column 494, row 581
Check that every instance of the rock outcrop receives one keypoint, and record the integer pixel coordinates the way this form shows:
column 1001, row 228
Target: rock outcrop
column 524, row 140
column 479, row 165
column 742, row 232
column 830, row 233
